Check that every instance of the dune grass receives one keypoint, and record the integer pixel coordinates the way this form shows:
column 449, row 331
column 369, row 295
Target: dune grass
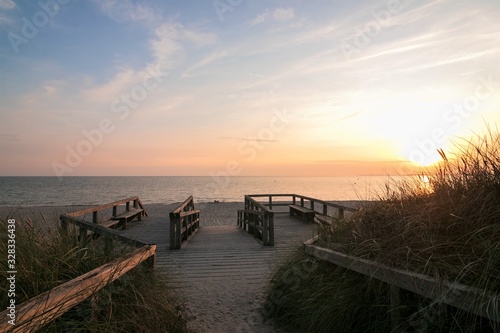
column 447, row 227
column 139, row 301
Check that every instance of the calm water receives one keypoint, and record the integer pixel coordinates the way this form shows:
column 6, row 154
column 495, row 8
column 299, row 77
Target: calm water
column 49, row 191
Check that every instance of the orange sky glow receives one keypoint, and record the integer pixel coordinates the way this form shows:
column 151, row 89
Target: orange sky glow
column 157, row 88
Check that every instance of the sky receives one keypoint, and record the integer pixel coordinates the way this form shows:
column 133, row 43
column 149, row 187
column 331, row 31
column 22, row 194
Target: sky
column 243, row 88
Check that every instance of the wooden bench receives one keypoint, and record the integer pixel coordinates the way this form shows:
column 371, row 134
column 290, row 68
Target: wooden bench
column 306, row 213
column 123, row 218
column 324, row 219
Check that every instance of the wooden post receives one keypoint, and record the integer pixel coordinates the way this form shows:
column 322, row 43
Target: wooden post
column 83, row 235
column 270, row 202
column 127, row 206
column 151, row 262
column 94, row 217
column 341, row 213
column 64, row 226
column 255, row 225
column 271, row 229
column 394, row 296
column 108, row 245
column 325, row 209
column 294, row 200
column 265, row 230
column 135, row 203
column 312, row 205
column 249, row 224
column 114, row 211
column 174, row 228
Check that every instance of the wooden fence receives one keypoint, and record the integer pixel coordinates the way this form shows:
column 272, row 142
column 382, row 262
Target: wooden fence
column 39, row 311
column 257, row 220
column 325, row 209
column 258, row 216
column 50, row 305
column 121, row 212
column 184, row 222
column 473, row 300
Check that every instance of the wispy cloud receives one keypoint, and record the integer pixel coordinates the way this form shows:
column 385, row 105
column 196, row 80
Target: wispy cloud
column 204, row 62
column 169, row 41
column 276, row 15
column 7, row 4
column 126, row 10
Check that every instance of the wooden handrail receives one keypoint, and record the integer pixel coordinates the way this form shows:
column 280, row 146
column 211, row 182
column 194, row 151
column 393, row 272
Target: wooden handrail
column 190, row 212
column 313, row 203
column 105, row 206
column 184, row 222
column 46, row 307
column 182, row 207
column 258, row 220
column 98, row 229
column 471, row 299
column 303, row 197
column 256, row 203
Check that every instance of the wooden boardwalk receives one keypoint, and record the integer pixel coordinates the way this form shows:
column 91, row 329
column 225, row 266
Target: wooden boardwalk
column 222, row 271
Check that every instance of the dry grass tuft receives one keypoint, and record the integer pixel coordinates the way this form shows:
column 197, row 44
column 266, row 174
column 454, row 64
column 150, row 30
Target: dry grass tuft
column 447, row 227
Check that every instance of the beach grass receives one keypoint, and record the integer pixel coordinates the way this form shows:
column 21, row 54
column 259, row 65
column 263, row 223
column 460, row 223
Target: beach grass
column 139, row 301
column 445, row 224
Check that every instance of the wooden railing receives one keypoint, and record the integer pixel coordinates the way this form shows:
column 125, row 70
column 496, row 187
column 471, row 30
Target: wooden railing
column 39, row 311
column 121, row 212
column 473, row 300
column 258, row 216
column 321, row 207
column 184, row 222
column 257, row 220
column 50, row 305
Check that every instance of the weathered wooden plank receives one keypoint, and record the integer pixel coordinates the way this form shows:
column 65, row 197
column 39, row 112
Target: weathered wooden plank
column 249, row 211
column 324, row 219
column 184, row 221
column 183, row 205
column 467, row 298
column 189, row 212
column 128, row 214
column 101, row 207
column 44, row 308
column 301, row 209
column 110, row 223
column 307, row 214
column 101, row 230
column 302, row 198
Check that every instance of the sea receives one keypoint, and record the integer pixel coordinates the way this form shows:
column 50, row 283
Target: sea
column 54, row 191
